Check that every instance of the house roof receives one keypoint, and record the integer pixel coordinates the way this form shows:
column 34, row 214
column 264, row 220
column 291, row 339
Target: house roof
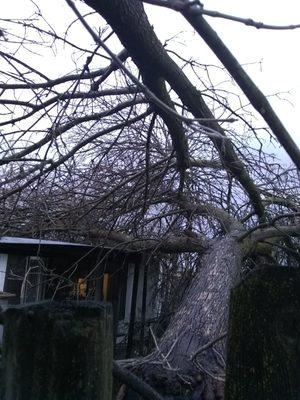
column 29, row 241
column 21, row 245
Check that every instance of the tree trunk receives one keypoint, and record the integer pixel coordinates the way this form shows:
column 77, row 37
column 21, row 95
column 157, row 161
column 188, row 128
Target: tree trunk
column 264, row 337
column 58, row 351
column 176, row 368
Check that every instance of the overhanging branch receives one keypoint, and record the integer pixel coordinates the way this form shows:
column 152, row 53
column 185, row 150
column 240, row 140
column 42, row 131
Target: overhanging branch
column 257, row 99
column 130, row 22
column 276, row 231
column 168, row 244
column 181, row 5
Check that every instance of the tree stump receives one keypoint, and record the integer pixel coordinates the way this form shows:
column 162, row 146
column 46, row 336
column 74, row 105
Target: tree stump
column 58, row 351
column 264, row 337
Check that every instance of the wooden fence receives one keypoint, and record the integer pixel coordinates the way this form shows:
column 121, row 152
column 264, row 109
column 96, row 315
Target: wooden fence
column 57, row 351
column 264, row 337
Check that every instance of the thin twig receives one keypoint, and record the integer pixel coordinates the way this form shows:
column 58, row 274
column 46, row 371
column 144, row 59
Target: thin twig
column 158, row 349
column 208, row 345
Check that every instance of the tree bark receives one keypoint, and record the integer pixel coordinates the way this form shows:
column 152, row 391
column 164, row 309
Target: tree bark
column 175, row 367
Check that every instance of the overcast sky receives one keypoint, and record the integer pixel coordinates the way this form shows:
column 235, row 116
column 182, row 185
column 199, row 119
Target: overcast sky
column 271, row 57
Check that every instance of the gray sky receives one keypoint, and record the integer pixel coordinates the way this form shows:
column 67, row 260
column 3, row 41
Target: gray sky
column 273, row 57
column 270, row 57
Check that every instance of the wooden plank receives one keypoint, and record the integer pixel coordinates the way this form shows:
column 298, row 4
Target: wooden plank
column 105, row 286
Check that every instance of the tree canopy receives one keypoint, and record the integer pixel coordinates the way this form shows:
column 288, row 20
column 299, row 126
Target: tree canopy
column 142, row 140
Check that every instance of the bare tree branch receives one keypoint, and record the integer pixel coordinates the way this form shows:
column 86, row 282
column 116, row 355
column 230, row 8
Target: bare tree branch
column 136, row 34
column 255, row 96
column 136, row 384
column 196, row 7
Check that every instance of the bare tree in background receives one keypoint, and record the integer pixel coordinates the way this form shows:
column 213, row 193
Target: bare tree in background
column 127, row 149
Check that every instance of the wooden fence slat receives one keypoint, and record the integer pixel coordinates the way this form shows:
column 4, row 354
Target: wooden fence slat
column 264, row 337
column 58, row 351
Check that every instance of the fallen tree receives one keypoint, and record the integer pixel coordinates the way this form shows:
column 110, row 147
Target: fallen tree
column 126, row 151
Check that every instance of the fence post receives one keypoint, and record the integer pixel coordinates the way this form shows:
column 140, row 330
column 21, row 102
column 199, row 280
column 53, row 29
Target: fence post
column 58, row 351
column 264, row 337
